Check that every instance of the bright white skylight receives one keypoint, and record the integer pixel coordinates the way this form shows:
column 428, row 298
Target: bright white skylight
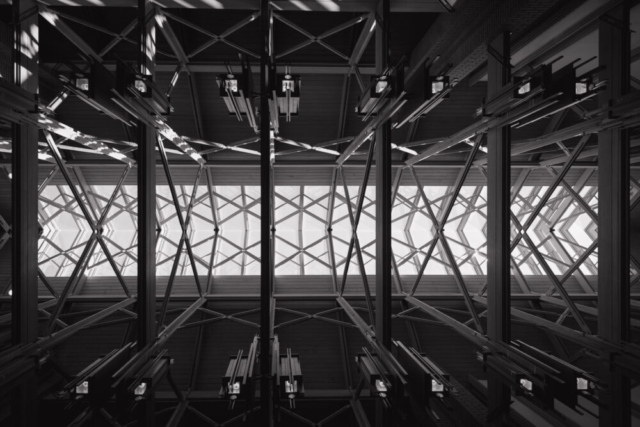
column 302, row 243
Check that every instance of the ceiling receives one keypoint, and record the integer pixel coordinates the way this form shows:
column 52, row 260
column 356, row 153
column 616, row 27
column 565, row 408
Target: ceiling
column 329, row 94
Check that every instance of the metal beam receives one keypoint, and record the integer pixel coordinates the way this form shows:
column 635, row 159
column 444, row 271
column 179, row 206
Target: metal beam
column 266, row 222
column 384, row 204
column 328, row 297
column 383, row 194
column 146, row 307
column 427, row 6
column 499, row 226
column 613, row 213
column 24, row 194
column 146, row 193
column 51, row 17
column 460, row 38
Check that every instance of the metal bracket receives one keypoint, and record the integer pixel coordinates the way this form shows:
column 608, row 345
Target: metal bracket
column 447, row 6
column 616, row 23
column 496, row 55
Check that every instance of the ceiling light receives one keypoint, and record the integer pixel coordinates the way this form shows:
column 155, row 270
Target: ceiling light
column 82, row 388
column 375, row 97
column 141, row 389
column 528, row 385
column 582, row 384
column 231, row 83
column 95, row 88
column 381, row 84
column 238, row 380
column 524, row 89
column 288, row 374
column 140, row 86
column 149, row 376
column 138, row 94
column 236, row 90
column 433, row 90
column 82, row 83
column 287, row 94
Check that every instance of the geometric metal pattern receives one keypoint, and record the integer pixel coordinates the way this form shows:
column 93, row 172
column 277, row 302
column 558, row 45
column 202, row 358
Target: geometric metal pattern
column 205, row 230
column 562, row 231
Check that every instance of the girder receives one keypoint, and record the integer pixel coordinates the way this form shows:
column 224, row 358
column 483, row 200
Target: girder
column 369, row 244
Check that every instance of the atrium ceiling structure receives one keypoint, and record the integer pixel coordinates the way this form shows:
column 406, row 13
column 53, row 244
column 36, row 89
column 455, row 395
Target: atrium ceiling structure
column 319, row 213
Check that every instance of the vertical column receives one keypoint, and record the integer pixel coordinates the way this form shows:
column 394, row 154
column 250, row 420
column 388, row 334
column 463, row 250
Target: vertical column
column 613, row 213
column 25, row 182
column 25, row 207
column 383, row 196
column 146, row 208
column 498, row 225
column 146, row 193
column 383, row 207
column 266, row 399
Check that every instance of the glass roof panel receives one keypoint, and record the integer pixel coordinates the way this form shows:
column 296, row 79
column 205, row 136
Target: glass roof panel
column 562, row 231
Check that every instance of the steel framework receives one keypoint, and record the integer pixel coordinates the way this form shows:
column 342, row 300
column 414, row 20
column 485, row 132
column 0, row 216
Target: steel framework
column 503, row 229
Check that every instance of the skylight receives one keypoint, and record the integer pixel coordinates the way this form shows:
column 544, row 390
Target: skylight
column 303, row 245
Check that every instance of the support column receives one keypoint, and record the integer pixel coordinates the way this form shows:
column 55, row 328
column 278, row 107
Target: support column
column 498, row 227
column 266, row 223
column 146, row 194
column 383, row 196
column 383, row 207
column 146, row 208
column 613, row 213
column 25, row 183
column 24, row 194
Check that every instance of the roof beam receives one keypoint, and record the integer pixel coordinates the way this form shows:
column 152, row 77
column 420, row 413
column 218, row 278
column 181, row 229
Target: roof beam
column 432, row 6
column 196, row 67
column 544, row 46
column 464, row 35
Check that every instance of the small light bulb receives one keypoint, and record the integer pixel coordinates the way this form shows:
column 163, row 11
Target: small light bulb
column 287, row 84
column 581, row 88
column 232, row 85
column 524, row 89
column 83, row 388
column 291, row 387
column 437, row 87
column 234, row 388
column 380, row 386
column 582, row 384
column 528, row 385
column 140, row 86
column 82, row 83
column 436, row 386
column 10, row 292
column 141, row 389
column 381, row 85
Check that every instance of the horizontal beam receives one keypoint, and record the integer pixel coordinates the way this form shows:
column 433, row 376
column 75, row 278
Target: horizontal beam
column 428, row 6
column 219, row 68
column 302, row 297
column 588, row 341
column 582, row 308
column 54, row 339
column 309, row 164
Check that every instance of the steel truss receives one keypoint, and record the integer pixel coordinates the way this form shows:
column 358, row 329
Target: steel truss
column 528, row 229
